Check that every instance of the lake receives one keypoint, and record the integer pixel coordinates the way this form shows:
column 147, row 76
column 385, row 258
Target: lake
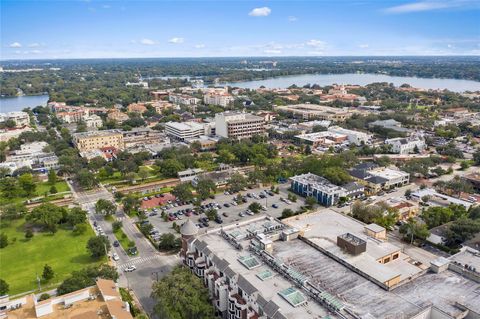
column 11, row 104
column 359, row 79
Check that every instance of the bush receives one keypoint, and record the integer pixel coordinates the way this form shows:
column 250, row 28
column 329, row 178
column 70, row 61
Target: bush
column 28, row 233
column 44, row 296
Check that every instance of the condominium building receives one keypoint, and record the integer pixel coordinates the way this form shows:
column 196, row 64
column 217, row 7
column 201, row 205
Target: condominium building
column 221, row 99
column 95, row 140
column 238, row 125
column 315, row 111
column 409, row 145
column 20, row 118
column 326, row 193
column 185, row 130
column 93, row 120
column 354, row 137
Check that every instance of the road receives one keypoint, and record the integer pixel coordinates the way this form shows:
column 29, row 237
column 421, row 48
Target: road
column 151, row 264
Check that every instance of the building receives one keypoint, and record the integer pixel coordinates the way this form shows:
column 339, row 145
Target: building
column 142, row 84
column 326, row 193
column 118, row 116
column 207, row 143
column 309, row 125
column 315, row 111
column 405, row 209
column 438, row 199
column 32, row 155
column 377, row 178
column 21, row 119
column 143, row 136
column 136, row 108
column 189, row 174
column 220, row 99
column 354, row 137
column 325, row 265
column 474, row 179
column 183, row 99
column 93, row 121
column 324, row 139
column 403, row 145
column 185, row 130
column 389, row 124
column 101, row 301
column 86, row 141
column 238, row 125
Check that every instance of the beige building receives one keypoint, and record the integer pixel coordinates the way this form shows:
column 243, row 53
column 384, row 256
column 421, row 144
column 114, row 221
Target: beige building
column 315, row 111
column 94, row 140
column 221, row 99
column 117, row 116
column 238, row 125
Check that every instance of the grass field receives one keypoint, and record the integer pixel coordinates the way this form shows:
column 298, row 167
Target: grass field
column 40, row 191
column 45, row 187
column 22, row 259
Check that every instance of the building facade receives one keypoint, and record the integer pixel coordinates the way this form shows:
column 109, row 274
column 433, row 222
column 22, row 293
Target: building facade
column 95, row 140
column 223, row 99
column 238, row 125
column 185, row 130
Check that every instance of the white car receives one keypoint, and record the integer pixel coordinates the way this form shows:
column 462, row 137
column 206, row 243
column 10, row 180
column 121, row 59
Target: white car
column 115, row 257
column 130, row 268
column 249, row 212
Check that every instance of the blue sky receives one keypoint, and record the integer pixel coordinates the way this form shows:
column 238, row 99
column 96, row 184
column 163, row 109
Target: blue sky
column 115, row 29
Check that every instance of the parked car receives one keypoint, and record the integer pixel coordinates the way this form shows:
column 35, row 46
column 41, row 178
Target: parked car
column 225, row 214
column 274, row 205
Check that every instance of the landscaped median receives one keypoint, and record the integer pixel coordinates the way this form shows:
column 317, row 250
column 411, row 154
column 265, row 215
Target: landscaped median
column 123, row 239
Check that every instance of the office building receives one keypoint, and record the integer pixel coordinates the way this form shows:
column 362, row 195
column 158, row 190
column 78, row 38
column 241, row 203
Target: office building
column 377, row 178
column 238, row 125
column 185, row 130
column 95, row 140
column 315, row 111
column 354, row 137
column 401, row 145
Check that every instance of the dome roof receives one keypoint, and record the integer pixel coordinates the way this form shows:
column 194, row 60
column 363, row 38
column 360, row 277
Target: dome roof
column 188, row 228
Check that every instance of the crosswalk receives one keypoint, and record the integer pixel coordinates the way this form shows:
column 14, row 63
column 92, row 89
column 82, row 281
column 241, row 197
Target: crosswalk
column 138, row 260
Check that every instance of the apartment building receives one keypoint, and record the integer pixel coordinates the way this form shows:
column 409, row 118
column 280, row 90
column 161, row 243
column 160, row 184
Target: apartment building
column 95, row 140
column 117, row 116
column 20, row 118
column 220, row 99
column 238, row 125
column 404, row 146
column 315, row 111
column 354, row 137
column 183, row 99
column 326, row 193
column 184, row 130
column 93, row 121
column 136, row 108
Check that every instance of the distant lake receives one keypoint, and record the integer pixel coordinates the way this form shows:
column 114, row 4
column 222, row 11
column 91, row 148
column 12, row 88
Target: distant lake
column 11, row 104
column 359, row 79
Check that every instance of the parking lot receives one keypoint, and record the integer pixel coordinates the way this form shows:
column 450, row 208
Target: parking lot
column 229, row 214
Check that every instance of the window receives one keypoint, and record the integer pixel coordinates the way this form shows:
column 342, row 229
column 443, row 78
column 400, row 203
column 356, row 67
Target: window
column 395, row 256
column 386, row 260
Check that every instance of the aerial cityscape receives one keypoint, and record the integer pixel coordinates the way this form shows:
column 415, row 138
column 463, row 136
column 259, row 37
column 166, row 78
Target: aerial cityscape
column 240, row 159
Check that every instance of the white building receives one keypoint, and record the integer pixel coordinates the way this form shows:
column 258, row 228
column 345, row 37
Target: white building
column 354, row 137
column 222, row 99
column 402, row 145
column 93, row 120
column 20, row 118
column 238, row 125
column 184, row 130
column 183, row 99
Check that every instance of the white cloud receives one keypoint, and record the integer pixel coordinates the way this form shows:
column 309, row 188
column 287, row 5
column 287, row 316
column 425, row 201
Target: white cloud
column 15, row 45
column 199, row 46
column 316, row 43
column 315, row 53
column 363, row 46
column 430, row 5
column 36, row 51
column 292, row 18
column 260, row 12
column 176, row 40
column 272, row 51
column 146, row 41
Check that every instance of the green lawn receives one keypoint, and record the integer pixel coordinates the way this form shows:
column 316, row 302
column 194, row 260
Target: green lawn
column 45, row 187
column 123, row 239
column 40, row 191
column 22, row 259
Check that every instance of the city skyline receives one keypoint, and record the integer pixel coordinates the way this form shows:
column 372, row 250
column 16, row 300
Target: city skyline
column 123, row 29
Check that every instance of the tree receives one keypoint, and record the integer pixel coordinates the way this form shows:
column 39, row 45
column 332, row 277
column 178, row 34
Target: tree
column 204, row 187
column 412, row 230
column 168, row 242
column 183, row 192
column 3, row 240
column 47, row 273
column 170, row 167
column 52, row 177
column 255, row 207
column 287, row 212
column 44, row 296
column 96, row 163
column 85, row 178
column 47, row 215
column 86, row 277
column 211, row 213
column 116, row 225
column 76, row 216
column 98, row 246
column 4, row 287
column 237, row 182
column 181, row 294
column 461, row 230
column 130, row 204
column 79, row 229
column 310, row 201
column 105, row 207
column 13, row 211
column 27, row 183
column 53, row 190
column 143, row 173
